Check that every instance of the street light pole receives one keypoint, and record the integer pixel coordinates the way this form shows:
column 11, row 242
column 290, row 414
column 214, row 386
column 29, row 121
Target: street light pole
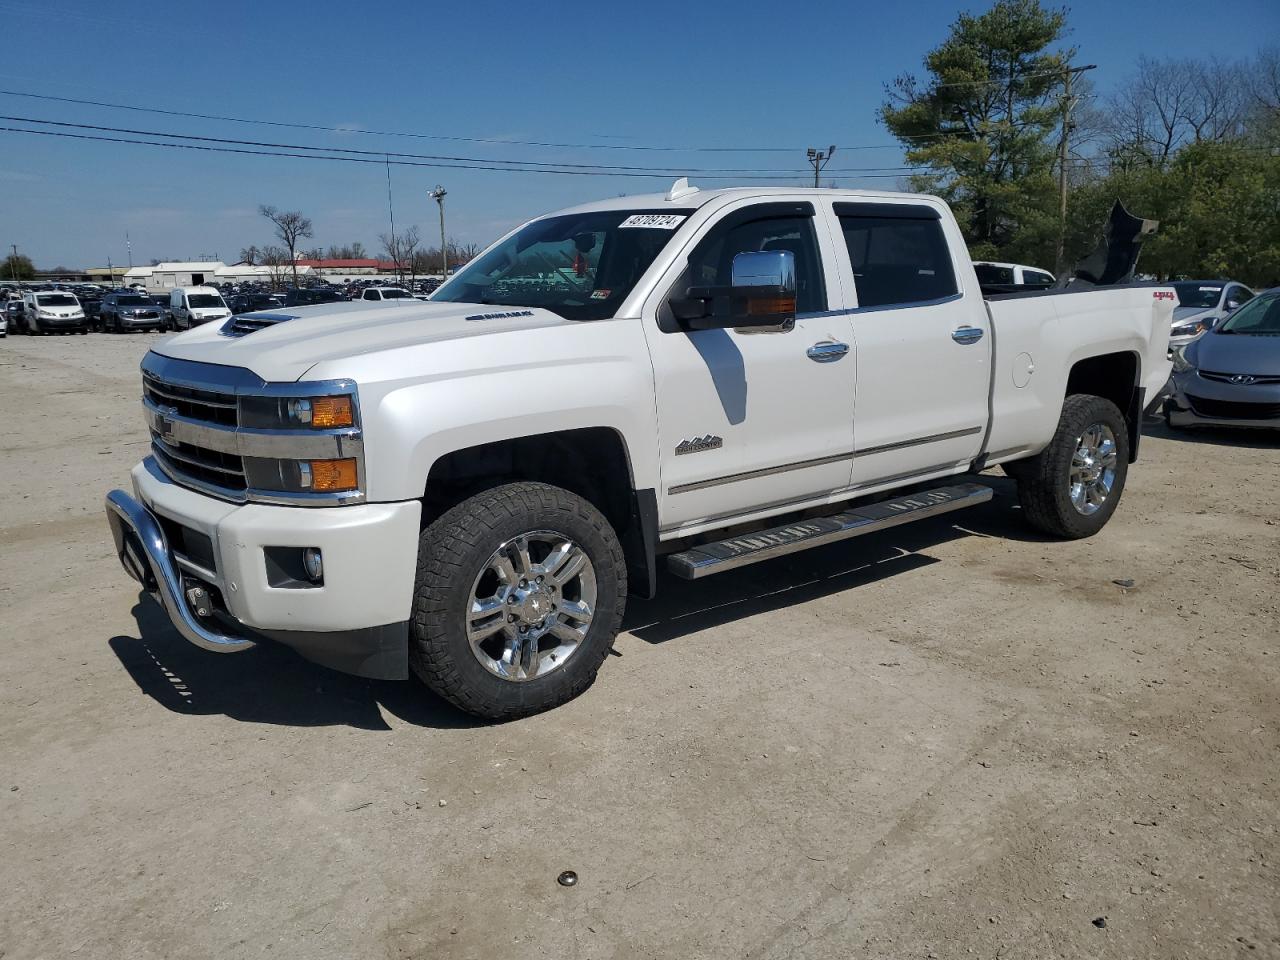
column 438, row 195
column 820, row 159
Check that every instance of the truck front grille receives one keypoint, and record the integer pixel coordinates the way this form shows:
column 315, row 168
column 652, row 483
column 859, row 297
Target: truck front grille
column 189, row 461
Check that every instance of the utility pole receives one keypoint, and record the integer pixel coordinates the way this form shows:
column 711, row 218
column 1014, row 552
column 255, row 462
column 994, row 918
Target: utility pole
column 438, row 195
column 112, row 271
column 129, row 244
column 819, row 159
column 1067, row 104
column 13, row 264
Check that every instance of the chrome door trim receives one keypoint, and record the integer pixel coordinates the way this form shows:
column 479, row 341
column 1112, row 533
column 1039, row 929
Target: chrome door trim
column 966, row 335
column 754, row 474
column 933, row 438
column 827, row 351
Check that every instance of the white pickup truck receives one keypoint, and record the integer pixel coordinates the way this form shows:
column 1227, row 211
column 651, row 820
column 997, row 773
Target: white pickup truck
column 468, row 489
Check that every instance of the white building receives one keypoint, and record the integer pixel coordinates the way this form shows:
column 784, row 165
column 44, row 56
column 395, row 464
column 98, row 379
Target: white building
column 195, row 273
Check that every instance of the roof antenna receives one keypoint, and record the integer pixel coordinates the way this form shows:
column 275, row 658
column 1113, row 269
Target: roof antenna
column 680, row 189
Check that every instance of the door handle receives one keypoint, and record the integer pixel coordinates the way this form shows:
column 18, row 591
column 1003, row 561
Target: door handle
column 966, row 335
column 827, row 351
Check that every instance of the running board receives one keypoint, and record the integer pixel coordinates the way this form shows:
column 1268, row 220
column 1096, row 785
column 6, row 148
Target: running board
column 709, row 558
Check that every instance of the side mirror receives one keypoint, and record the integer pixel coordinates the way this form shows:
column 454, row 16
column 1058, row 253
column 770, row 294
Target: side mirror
column 760, row 298
column 1233, row 305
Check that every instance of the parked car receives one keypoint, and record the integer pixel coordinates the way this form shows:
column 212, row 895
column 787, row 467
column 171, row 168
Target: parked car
column 1230, row 375
column 248, row 302
column 4, row 322
column 484, row 487
column 306, row 296
column 130, row 311
column 192, row 306
column 12, row 313
column 52, row 311
column 386, row 293
column 161, row 302
column 1015, row 276
column 1202, row 304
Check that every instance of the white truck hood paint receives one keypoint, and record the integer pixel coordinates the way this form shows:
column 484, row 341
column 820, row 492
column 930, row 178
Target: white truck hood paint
column 328, row 332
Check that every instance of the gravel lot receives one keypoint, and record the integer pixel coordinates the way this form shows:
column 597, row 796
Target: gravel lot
column 952, row 739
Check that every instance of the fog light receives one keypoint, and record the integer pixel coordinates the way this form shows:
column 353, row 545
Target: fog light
column 313, row 563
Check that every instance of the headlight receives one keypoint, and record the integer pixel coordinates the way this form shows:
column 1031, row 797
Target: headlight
column 305, row 413
column 1180, row 362
column 1191, row 329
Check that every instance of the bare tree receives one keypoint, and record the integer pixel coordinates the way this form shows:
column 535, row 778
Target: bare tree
column 1167, row 104
column 400, row 248
column 277, row 261
column 291, row 226
column 250, row 255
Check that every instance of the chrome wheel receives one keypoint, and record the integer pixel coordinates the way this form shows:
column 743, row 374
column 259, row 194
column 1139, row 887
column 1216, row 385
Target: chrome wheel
column 1093, row 468
column 531, row 606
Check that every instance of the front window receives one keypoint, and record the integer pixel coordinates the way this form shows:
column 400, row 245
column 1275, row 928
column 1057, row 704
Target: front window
column 1260, row 317
column 57, row 300
column 990, row 273
column 1203, row 295
column 133, row 301
column 580, row 266
column 204, row 301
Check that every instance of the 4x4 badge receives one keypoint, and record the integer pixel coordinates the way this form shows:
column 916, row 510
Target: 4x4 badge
column 699, row 444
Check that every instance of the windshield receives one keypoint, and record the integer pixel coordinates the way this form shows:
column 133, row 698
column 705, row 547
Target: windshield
column 133, row 301
column 57, row 300
column 203, row 301
column 1260, row 317
column 581, row 266
column 1198, row 294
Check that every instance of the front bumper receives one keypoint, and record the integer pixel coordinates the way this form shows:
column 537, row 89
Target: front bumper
column 1198, row 401
column 356, row 621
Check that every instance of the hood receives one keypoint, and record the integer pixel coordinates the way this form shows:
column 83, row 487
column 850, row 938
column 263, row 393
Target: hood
column 1183, row 315
column 295, row 339
column 1236, row 353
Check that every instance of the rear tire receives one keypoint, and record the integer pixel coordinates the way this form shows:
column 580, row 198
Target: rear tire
column 1071, row 488
column 457, row 581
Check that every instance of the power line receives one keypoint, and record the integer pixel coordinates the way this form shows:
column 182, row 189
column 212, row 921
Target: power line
column 664, row 171
column 208, row 148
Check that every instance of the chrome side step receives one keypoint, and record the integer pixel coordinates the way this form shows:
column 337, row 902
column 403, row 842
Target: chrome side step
column 709, row 558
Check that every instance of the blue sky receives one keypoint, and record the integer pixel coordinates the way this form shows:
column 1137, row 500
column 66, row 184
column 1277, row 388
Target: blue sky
column 637, row 74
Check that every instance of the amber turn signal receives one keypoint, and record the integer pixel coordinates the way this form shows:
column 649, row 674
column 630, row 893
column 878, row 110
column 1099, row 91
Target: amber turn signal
column 329, row 412
column 331, row 476
column 766, row 306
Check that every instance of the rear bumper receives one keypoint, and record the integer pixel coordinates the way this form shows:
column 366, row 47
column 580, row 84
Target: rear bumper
column 355, row 621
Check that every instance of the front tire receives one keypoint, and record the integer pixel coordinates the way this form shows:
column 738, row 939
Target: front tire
column 1071, row 488
column 520, row 593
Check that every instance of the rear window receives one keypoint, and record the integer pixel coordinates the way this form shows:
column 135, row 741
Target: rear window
column 898, row 260
column 990, row 273
column 396, row 295
column 1198, row 294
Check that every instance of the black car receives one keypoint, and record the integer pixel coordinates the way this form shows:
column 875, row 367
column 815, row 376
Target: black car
column 130, row 311
column 249, row 302
column 306, row 296
column 161, row 300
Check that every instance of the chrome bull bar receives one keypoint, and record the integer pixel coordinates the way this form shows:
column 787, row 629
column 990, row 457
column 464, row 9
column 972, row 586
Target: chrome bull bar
column 144, row 554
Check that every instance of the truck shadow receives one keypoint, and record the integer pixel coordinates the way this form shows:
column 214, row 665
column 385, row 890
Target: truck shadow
column 683, row 607
column 267, row 684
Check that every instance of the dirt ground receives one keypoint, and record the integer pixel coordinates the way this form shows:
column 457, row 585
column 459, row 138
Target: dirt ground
column 952, row 739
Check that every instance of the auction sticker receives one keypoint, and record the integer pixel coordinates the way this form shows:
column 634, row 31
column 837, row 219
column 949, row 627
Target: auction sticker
column 654, row 221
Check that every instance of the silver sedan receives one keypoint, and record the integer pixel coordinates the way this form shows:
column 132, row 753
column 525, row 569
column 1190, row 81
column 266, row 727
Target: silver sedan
column 1230, row 376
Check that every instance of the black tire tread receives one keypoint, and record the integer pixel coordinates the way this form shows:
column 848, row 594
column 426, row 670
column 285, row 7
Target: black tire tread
column 443, row 553
column 1040, row 489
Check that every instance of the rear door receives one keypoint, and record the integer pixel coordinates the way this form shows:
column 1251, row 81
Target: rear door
column 923, row 342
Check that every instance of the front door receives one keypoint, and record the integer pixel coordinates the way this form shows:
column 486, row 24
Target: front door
column 753, row 421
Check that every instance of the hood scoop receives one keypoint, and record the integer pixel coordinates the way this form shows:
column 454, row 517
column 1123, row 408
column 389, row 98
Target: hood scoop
column 247, row 323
